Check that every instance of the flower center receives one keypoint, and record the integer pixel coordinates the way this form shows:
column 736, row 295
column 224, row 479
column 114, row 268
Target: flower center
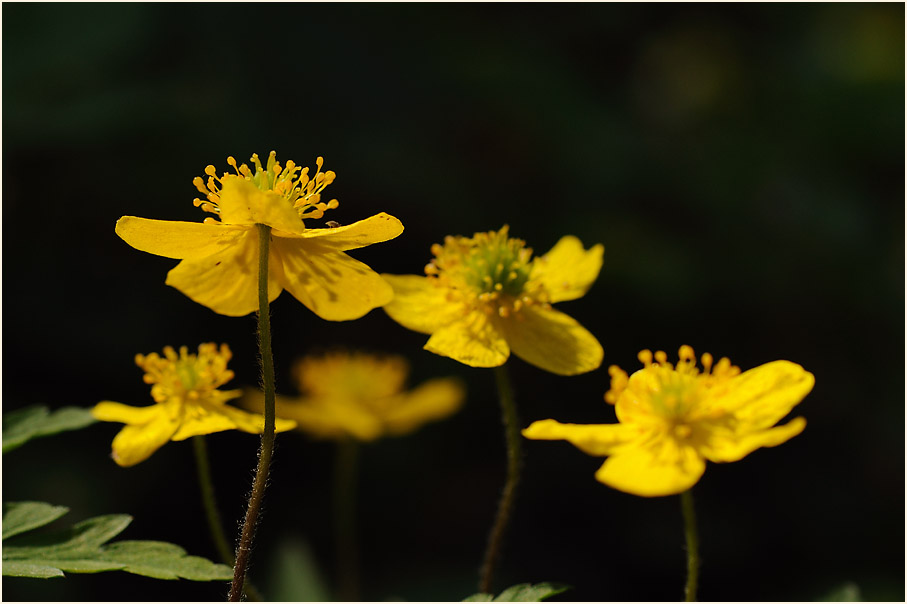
column 675, row 395
column 186, row 376
column 490, row 270
column 291, row 182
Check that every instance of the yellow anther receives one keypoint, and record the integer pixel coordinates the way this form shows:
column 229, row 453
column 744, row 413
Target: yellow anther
column 200, row 185
column 686, row 353
column 707, row 362
column 431, row 269
column 503, row 311
column 661, row 357
column 645, row 357
column 498, row 286
column 210, row 170
column 332, row 204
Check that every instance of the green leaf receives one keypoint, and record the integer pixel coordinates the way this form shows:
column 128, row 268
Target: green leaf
column 846, row 592
column 294, row 574
column 28, row 515
column 526, row 592
column 83, row 548
column 25, row 424
column 26, row 569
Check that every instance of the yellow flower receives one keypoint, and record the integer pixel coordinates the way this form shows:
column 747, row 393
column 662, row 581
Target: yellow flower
column 219, row 267
column 362, row 396
column 188, row 403
column 485, row 296
column 673, row 419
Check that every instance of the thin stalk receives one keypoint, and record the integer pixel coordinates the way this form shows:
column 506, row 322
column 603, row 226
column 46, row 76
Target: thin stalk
column 209, row 503
column 345, row 521
column 689, row 527
column 267, row 436
column 505, row 505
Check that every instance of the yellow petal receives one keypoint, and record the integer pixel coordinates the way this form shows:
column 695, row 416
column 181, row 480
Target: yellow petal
column 241, row 202
column 762, row 396
column 332, row 418
column 430, row 401
column 552, row 340
column 109, row 411
column 567, row 270
column 136, row 443
column 594, row 439
column 333, row 286
column 652, row 469
column 725, row 448
column 174, row 239
column 473, row 340
column 375, row 229
column 227, row 283
column 208, row 419
column 419, row 304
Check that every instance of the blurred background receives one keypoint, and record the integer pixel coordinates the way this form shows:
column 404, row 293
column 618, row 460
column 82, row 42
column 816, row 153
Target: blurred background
column 742, row 164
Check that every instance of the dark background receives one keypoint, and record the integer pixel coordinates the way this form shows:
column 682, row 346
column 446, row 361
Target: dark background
column 742, row 164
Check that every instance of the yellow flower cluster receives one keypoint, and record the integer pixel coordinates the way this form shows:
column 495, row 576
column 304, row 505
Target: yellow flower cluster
column 674, row 418
column 219, row 257
column 361, row 396
column 485, row 296
column 184, row 387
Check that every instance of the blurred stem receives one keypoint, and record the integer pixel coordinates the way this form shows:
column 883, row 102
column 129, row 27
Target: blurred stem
column 345, row 472
column 505, row 505
column 209, row 503
column 689, row 526
column 267, row 436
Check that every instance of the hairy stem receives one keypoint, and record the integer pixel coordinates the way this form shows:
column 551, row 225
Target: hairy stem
column 267, row 436
column 505, row 505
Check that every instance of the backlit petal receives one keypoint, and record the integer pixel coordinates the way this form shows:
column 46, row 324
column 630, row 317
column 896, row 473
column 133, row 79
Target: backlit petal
column 328, row 417
column 109, row 411
column 208, row 419
column 241, row 202
column 568, row 270
column 473, row 340
column 375, row 229
column 762, row 396
column 227, row 283
column 724, row 448
column 419, row 304
column 175, row 239
column 552, row 340
column 136, row 443
column 652, row 469
column 594, row 439
column 430, row 401
column 334, row 286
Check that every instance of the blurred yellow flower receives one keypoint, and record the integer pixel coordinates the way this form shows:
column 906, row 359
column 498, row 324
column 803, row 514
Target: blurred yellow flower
column 188, row 403
column 361, row 396
column 219, row 267
column 485, row 296
column 673, row 419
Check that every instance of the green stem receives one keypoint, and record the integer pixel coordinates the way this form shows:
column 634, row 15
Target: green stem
column 689, row 526
column 209, row 503
column 505, row 505
column 267, row 435
column 345, row 520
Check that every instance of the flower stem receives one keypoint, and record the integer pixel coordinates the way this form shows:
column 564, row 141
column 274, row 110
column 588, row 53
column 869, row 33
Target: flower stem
column 267, row 436
column 505, row 505
column 345, row 520
column 209, row 503
column 689, row 525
